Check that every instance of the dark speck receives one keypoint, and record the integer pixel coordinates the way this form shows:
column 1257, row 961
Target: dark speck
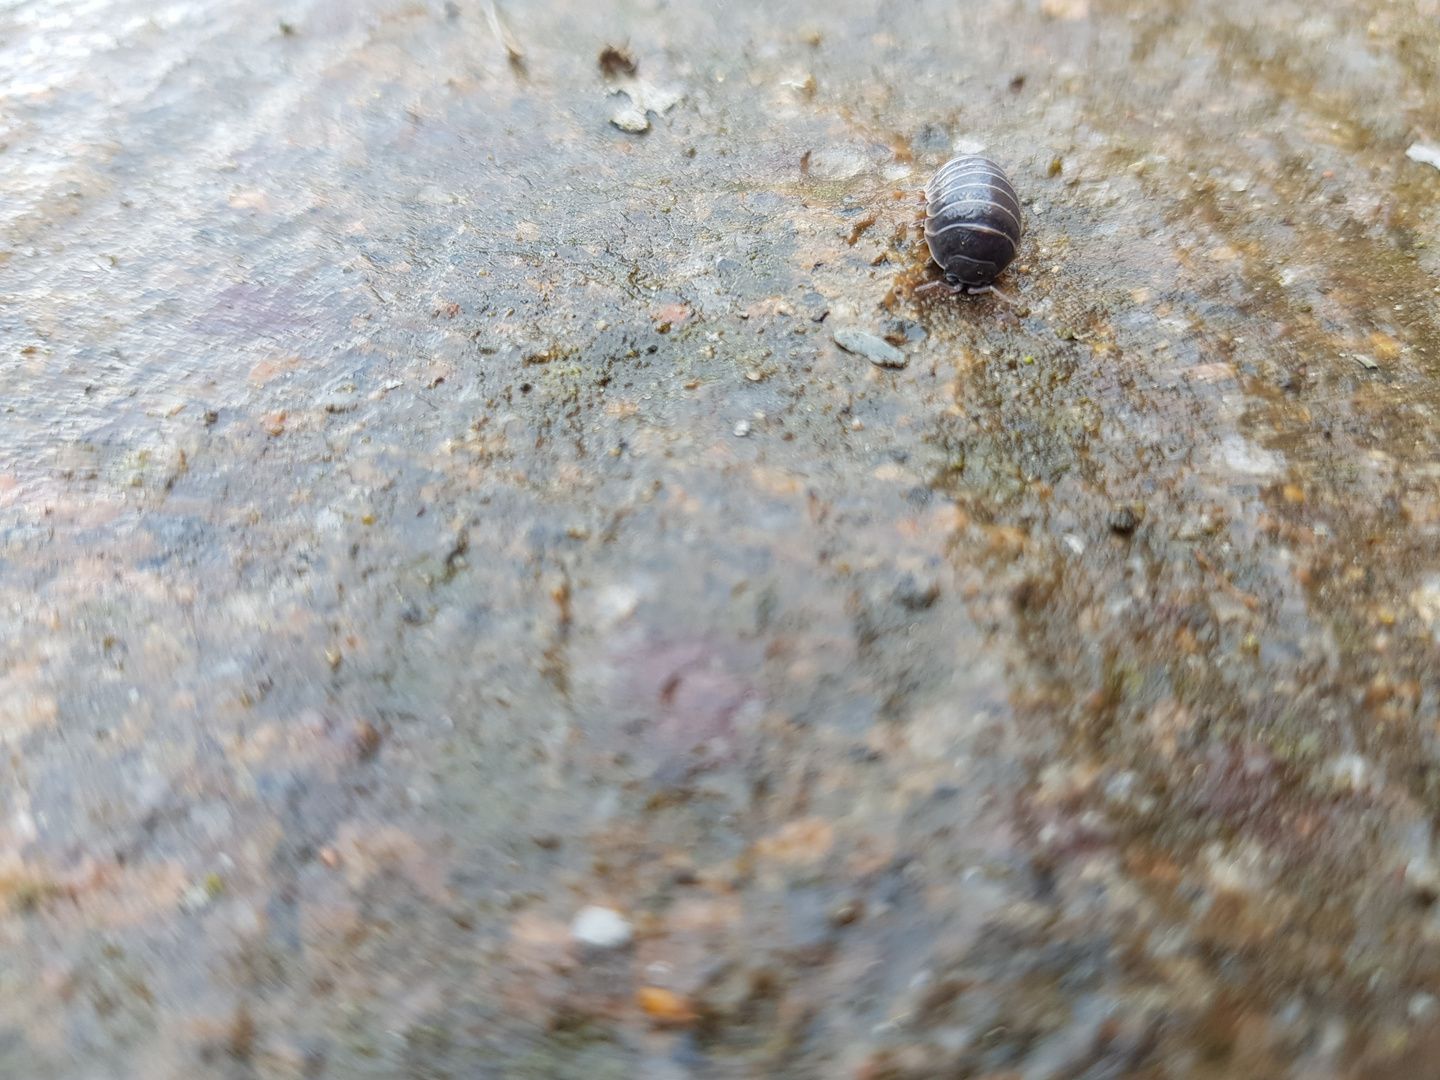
column 367, row 740
column 525, row 388
column 847, row 911
column 1124, row 520
column 902, row 331
column 915, row 594
column 617, row 61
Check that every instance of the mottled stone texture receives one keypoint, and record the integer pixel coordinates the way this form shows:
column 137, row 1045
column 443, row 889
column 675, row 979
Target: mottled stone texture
column 383, row 580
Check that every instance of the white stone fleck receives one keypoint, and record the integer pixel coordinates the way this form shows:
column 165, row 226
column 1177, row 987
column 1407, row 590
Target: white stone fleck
column 616, row 603
column 1242, row 456
column 1424, row 153
column 601, row 927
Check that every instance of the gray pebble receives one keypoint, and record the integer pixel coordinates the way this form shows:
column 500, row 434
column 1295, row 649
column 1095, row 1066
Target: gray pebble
column 874, row 349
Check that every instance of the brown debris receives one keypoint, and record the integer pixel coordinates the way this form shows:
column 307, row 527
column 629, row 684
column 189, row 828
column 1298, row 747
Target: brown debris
column 513, row 49
column 367, row 740
column 858, row 229
column 1167, row 722
column 664, row 1006
column 240, row 1043
column 804, row 841
column 618, row 60
column 1226, row 585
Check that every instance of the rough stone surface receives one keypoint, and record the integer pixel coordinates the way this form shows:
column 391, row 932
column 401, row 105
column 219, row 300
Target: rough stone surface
column 382, row 580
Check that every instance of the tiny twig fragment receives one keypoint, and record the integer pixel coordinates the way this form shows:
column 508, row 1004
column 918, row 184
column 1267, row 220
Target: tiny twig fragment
column 1226, row 585
column 513, row 48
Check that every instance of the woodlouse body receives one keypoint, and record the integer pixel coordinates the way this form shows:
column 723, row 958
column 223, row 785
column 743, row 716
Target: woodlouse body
column 973, row 221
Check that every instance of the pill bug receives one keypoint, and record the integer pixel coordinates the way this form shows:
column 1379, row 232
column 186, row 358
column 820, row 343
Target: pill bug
column 973, row 223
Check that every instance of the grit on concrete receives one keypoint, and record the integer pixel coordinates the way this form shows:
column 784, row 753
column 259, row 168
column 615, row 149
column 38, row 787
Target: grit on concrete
column 431, row 513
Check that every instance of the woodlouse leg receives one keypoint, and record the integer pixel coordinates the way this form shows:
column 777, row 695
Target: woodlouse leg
column 929, row 286
column 993, row 291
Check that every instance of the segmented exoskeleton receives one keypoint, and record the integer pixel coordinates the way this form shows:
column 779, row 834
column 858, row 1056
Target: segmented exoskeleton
column 973, row 223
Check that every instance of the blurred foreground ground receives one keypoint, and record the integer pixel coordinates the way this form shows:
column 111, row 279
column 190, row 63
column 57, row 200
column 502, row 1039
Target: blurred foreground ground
column 429, row 510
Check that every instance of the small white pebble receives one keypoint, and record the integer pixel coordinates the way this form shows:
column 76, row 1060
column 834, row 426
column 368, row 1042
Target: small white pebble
column 195, row 898
column 616, row 603
column 742, row 428
column 1349, row 772
column 1425, row 154
column 601, row 927
column 1074, row 543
